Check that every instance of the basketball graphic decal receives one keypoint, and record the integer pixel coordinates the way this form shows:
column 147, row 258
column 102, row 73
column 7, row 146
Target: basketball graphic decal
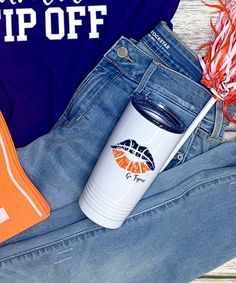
column 133, row 157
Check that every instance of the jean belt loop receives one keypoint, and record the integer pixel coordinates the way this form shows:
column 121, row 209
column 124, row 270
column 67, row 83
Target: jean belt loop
column 147, row 75
column 219, row 120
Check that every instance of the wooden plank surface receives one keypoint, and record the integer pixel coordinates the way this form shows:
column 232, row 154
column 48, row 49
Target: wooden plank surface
column 191, row 24
column 223, row 274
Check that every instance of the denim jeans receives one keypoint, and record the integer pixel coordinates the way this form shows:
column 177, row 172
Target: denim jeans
column 184, row 225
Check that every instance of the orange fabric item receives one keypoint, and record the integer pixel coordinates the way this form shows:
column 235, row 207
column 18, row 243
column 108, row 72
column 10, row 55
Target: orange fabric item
column 21, row 204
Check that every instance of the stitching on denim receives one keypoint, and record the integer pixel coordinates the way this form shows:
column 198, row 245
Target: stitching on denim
column 155, row 54
column 49, row 244
column 170, row 100
column 151, row 89
column 60, row 122
column 83, row 85
column 193, row 136
column 140, row 50
column 62, row 260
column 122, row 70
column 219, row 121
column 171, row 70
column 119, row 43
column 198, row 85
column 203, row 134
column 165, row 62
column 93, row 101
column 146, row 77
column 79, row 90
column 164, row 25
column 176, row 103
column 217, row 139
column 164, row 67
column 194, row 188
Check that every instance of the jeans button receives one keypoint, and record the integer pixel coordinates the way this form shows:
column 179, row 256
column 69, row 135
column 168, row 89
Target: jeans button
column 122, row 52
column 180, row 156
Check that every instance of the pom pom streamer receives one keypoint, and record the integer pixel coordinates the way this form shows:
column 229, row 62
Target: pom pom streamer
column 219, row 64
column 219, row 67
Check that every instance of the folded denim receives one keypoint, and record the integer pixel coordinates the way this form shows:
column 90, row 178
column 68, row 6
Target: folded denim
column 175, row 233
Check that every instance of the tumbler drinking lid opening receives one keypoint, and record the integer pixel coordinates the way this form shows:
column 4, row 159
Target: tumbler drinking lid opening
column 158, row 114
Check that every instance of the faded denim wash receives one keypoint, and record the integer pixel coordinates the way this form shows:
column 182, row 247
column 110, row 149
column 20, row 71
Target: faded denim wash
column 183, row 227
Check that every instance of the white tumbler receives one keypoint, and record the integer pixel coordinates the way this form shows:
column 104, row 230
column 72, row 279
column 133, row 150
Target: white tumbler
column 140, row 144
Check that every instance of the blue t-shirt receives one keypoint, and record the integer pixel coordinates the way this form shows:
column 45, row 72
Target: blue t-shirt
column 47, row 47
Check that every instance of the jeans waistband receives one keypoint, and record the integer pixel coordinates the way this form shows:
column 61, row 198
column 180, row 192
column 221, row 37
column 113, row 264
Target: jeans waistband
column 164, row 46
column 177, row 70
column 160, row 45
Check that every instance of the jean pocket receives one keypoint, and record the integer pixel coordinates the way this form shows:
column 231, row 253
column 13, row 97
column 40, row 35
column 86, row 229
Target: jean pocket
column 199, row 141
column 86, row 92
column 71, row 110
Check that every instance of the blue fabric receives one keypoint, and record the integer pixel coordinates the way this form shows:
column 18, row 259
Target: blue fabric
column 39, row 74
column 182, row 227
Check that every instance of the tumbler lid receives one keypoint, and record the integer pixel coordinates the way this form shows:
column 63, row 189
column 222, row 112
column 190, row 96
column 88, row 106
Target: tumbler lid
column 158, row 114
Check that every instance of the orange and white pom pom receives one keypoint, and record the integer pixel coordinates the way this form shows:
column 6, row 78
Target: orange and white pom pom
column 219, row 64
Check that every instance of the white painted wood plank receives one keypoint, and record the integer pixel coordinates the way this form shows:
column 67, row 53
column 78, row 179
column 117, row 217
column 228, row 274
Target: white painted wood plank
column 191, row 24
column 228, row 269
column 214, row 280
